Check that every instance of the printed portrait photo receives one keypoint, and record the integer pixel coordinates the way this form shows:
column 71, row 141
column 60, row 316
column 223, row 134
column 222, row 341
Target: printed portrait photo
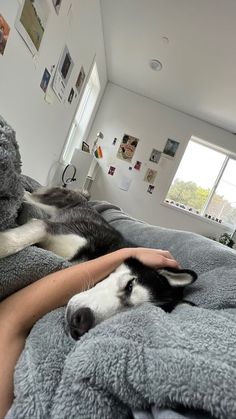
column 171, row 147
column 127, row 148
column 150, row 176
column 111, row 170
column 155, row 156
column 137, row 165
column 150, row 189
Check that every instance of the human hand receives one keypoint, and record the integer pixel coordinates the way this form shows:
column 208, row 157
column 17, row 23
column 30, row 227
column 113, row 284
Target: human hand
column 155, row 258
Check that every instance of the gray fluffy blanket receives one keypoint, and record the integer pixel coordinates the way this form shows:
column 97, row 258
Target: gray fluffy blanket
column 11, row 188
column 140, row 358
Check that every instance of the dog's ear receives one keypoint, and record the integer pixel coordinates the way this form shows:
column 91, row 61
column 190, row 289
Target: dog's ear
column 178, row 277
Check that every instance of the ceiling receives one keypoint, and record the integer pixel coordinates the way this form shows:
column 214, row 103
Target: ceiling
column 199, row 61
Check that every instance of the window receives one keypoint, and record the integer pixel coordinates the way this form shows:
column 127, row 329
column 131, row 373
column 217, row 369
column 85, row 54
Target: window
column 205, row 183
column 83, row 115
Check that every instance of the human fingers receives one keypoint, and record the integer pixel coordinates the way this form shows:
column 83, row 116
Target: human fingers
column 165, row 253
column 155, row 258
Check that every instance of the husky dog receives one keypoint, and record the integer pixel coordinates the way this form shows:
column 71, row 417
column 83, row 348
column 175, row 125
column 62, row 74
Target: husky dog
column 73, row 229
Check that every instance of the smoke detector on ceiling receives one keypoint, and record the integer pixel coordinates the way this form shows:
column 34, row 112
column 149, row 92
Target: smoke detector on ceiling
column 155, row 65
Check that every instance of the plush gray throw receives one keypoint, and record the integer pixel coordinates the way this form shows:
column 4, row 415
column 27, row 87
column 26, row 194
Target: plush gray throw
column 141, row 358
column 11, row 188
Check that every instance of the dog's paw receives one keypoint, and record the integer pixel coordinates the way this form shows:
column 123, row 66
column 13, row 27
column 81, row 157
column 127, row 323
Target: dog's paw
column 8, row 244
column 27, row 197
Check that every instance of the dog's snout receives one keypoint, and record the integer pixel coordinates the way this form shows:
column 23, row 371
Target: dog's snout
column 80, row 322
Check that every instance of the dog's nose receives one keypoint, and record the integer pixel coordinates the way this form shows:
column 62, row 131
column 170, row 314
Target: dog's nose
column 80, row 322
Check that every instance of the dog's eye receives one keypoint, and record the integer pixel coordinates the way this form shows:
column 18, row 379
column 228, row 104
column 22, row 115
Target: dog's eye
column 129, row 286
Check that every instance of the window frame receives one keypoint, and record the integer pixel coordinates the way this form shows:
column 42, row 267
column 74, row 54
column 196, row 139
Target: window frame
column 89, row 96
column 228, row 156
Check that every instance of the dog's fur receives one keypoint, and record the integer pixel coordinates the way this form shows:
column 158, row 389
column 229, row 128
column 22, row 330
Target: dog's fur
column 73, row 229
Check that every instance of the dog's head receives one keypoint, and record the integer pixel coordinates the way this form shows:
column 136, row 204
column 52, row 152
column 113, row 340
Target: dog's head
column 131, row 284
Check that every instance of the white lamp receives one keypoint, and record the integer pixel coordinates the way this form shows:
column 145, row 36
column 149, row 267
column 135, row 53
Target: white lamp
column 99, row 135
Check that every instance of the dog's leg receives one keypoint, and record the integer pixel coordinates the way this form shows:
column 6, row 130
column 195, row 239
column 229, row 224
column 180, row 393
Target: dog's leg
column 64, row 245
column 34, row 200
column 16, row 239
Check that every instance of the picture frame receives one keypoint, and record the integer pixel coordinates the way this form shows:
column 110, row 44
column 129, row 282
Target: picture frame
column 155, row 156
column 65, row 65
column 170, row 148
column 85, row 147
column 31, row 23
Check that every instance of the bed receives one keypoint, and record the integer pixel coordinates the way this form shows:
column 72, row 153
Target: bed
column 143, row 363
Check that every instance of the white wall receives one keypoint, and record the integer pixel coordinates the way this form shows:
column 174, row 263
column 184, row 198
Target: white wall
column 122, row 111
column 42, row 128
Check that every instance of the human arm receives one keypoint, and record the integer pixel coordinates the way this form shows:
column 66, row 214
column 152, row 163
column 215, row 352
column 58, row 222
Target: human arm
column 20, row 311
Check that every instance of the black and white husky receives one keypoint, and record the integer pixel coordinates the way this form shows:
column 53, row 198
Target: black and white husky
column 73, row 229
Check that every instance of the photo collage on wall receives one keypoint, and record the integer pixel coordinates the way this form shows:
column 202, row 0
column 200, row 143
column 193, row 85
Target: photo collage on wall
column 126, row 152
column 31, row 23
